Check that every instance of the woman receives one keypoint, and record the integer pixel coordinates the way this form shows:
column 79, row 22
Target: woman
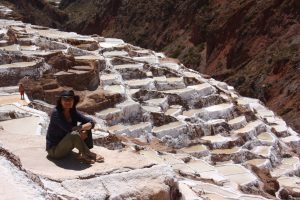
column 63, row 133
column 22, row 91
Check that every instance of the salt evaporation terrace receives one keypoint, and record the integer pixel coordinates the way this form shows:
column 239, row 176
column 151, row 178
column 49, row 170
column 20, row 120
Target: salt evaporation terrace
column 165, row 131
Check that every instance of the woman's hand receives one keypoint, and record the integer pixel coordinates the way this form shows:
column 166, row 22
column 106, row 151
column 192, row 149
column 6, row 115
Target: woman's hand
column 86, row 126
column 77, row 128
column 83, row 135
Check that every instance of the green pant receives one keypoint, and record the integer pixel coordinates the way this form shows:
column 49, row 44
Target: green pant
column 70, row 141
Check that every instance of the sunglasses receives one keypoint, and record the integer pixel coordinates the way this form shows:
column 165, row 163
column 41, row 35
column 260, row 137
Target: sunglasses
column 67, row 98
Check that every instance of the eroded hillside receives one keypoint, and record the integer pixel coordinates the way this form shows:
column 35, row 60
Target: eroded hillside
column 165, row 131
column 252, row 45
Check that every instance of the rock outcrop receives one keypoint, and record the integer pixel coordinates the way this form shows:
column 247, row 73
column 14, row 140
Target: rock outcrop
column 165, row 131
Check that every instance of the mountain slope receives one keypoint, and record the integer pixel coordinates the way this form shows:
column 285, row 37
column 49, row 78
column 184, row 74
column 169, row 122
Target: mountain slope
column 37, row 12
column 252, row 45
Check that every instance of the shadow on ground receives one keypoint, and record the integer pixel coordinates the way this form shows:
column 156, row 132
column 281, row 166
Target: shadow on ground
column 70, row 162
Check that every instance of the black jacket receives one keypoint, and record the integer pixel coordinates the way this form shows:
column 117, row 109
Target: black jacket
column 59, row 127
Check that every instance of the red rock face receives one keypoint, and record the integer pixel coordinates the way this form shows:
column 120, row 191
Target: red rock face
column 270, row 184
column 252, row 45
column 98, row 100
column 61, row 62
column 48, row 90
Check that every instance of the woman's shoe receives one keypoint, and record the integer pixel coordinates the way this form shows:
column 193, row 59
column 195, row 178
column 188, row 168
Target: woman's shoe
column 85, row 159
column 96, row 157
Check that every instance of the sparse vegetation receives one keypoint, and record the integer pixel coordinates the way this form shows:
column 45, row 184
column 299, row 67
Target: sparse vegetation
column 176, row 52
column 286, row 110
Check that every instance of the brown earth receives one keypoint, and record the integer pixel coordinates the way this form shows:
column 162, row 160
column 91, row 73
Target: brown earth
column 252, row 45
column 36, row 12
column 270, row 184
column 48, row 90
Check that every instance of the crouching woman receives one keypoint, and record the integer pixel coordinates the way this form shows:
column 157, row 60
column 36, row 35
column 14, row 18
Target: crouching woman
column 64, row 134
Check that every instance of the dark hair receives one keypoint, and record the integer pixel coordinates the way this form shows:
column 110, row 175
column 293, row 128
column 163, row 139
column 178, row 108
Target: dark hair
column 67, row 93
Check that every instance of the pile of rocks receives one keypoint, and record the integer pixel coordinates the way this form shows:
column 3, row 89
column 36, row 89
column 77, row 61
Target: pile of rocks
column 172, row 133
